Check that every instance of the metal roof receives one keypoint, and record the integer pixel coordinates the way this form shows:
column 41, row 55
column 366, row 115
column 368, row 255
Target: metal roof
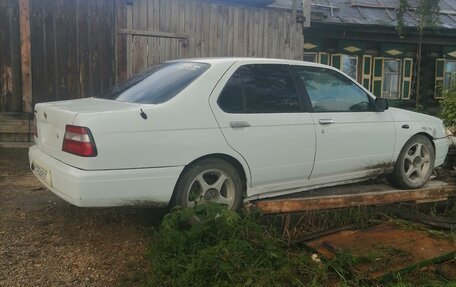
column 370, row 12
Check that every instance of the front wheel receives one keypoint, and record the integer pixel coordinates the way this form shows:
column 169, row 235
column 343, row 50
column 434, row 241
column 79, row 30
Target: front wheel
column 210, row 180
column 415, row 163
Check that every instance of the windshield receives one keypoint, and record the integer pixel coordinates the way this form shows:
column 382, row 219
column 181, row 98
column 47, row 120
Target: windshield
column 157, row 84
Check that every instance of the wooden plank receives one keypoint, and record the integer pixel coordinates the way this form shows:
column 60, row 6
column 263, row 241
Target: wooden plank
column 38, row 52
column 206, row 30
column 168, row 21
column 218, row 18
column 121, row 41
column 246, row 35
column 184, row 24
column 156, row 25
column 16, row 102
column 235, row 25
column 26, row 60
column 141, row 53
column 109, row 44
column 16, row 129
column 433, row 190
column 15, row 116
column 14, row 144
column 224, row 35
column 187, row 27
column 174, row 47
column 150, row 27
column 6, row 69
column 14, row 123
column 266, row 32
column 213, row 31
column 84, row 49
column 129, row 41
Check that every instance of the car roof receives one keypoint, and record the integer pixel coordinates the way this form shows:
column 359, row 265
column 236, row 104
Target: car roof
column 219, row 60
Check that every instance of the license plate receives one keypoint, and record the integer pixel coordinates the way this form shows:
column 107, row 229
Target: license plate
column 42, row 173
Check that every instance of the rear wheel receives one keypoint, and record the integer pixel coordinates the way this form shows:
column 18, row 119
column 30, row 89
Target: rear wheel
column 415, row 163
column 210, row 180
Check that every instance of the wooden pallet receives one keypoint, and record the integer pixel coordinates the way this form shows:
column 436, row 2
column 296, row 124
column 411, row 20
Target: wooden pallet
column 354, row 195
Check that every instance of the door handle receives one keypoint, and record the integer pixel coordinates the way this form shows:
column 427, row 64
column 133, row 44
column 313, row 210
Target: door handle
column 326, row 121
column 239, row 124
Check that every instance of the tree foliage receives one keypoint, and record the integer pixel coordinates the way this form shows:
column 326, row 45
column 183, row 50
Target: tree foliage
column 427, row 12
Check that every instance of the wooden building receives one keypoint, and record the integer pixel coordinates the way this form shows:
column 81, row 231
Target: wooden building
column 56, row 50
column 360, row 38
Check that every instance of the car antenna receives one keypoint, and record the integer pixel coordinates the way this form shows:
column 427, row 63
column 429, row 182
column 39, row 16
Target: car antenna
column 143, row 114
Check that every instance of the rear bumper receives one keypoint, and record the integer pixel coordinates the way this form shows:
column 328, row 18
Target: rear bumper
column 143, row 186
column 441, row 150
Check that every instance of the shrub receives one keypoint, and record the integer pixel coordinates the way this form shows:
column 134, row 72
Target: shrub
column 448, row 103
column 225, row 249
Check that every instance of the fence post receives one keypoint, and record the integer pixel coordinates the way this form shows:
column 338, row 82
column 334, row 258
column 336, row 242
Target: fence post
column 26, row 59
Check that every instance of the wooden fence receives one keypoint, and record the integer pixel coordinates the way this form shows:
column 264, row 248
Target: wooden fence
column 73, row 48
column 10, row 57
column 159, row 30
column 66, row 49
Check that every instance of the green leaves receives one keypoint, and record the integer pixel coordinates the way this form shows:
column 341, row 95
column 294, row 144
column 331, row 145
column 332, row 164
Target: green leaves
column 212, row 246
column 448, row 104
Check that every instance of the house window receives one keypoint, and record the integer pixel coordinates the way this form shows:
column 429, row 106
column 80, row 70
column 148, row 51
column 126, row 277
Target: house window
column 350, row 66
column 449, row 80
column 391, row 78
column 310, row 57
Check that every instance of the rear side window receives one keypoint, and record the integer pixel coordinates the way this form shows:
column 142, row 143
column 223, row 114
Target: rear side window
column 264, row 88
column 157, row 84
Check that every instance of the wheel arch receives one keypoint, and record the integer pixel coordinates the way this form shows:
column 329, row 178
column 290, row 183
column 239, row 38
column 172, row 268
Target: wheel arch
column 240, row 166
column 428, row 136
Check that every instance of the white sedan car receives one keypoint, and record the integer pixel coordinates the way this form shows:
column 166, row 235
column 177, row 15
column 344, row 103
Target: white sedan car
column 227, row 130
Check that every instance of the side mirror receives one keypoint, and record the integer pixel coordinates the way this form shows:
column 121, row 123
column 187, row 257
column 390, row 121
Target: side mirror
column 381, row 105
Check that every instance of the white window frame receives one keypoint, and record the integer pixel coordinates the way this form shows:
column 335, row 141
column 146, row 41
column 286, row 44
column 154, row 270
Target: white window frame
column 387, row 94
column 452, row 77
column 355, row 57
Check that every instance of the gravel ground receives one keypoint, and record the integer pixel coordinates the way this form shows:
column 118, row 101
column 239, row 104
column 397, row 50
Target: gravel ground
column 45, row 241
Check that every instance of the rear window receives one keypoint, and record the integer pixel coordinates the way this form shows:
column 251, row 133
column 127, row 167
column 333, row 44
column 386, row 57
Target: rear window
column 157, row 84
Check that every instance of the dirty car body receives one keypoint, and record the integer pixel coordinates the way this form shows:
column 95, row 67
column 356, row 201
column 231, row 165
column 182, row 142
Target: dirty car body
column 278, row 123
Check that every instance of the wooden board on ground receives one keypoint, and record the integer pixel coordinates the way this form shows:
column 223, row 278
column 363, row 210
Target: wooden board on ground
column 385, row 249
column 353, row 195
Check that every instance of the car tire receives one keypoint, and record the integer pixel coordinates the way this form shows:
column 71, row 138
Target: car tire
column 209, row 180
column 415, row 163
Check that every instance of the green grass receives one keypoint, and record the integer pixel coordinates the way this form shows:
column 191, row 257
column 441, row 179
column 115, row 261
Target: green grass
column 210, row 246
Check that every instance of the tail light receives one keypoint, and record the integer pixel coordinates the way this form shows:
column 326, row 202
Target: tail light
column 79, row 141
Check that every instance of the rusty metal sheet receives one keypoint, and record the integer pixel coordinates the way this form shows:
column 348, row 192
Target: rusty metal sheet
column 385, row 249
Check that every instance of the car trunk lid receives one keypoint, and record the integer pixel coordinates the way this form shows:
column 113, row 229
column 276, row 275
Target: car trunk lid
column 52, row 119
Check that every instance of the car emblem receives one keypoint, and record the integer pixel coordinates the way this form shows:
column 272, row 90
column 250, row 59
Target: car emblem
column 45, row 115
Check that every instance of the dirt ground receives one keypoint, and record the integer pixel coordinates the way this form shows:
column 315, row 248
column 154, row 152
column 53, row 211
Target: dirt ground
column 45, row 241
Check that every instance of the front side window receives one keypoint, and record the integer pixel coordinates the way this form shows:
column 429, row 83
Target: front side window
column 391, row 78
column 157, row 84
column 449, row 80
column 330, row 91
column 260, row 88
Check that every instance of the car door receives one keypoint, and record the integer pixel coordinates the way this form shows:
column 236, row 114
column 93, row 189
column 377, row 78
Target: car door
column 263, row 118
column 352, row 139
